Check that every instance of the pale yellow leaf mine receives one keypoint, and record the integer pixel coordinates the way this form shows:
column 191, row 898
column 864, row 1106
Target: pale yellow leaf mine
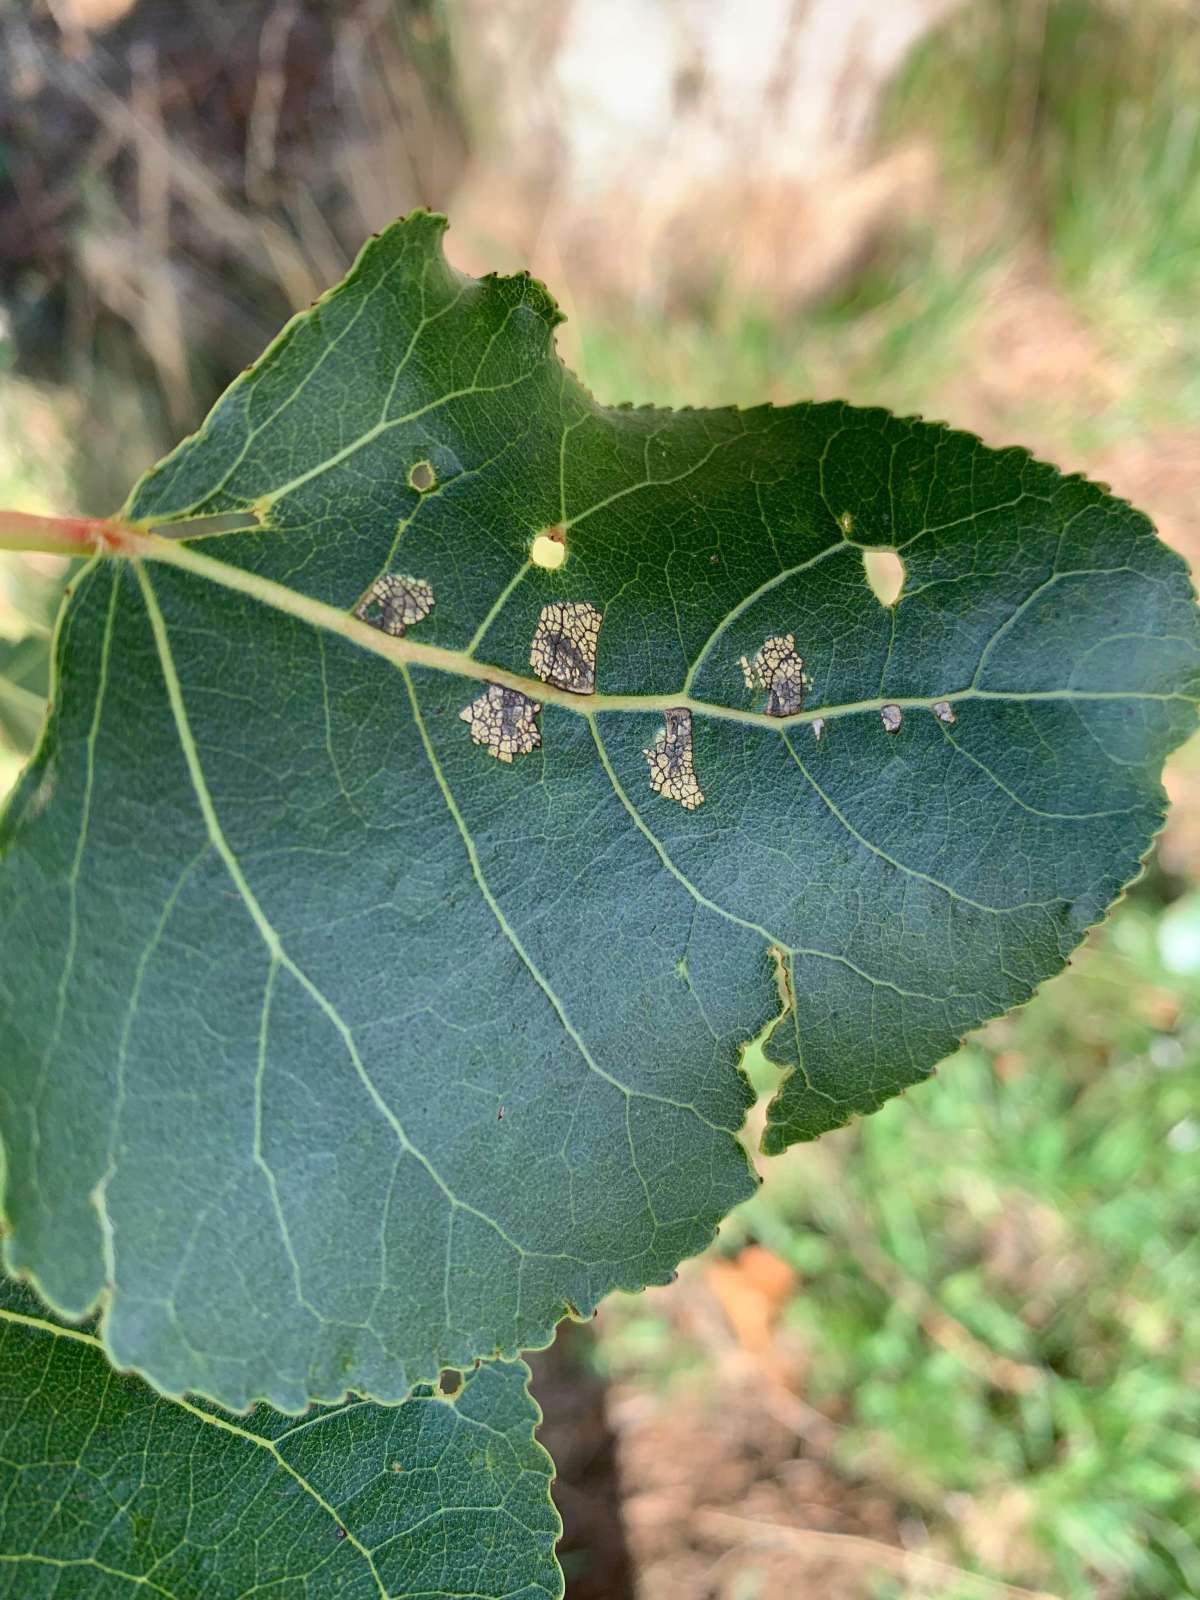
column 563, row 653
column 779, row 670
column 670, row 760
column 504, row 721
column 394, row 602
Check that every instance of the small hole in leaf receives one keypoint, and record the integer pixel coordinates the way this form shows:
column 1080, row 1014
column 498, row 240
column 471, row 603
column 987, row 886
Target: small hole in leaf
column 449, row 1383
column 549, row 549
column 421, row 476
column 885, row 574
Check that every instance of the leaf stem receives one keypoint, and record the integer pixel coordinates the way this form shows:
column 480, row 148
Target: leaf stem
column 61, row 536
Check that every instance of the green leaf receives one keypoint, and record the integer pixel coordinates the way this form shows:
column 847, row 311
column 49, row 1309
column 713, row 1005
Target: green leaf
column 24, row 685
column 33, row 597
column 338, row 1050
column 109, row 1490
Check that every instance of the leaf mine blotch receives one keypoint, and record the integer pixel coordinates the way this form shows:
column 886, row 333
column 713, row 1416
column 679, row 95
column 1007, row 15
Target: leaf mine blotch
column 670, row 760
column 891, row 716
column 504, row 721
column 944, row 711
column 564, row 645
column 779, row 670
column 394, row 602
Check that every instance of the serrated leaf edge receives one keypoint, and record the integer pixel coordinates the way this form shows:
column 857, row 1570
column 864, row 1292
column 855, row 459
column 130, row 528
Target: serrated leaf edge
column 270, row 1446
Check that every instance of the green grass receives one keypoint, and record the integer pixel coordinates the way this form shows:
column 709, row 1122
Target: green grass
column 1066, row 134
column 1085, row 114
column 1076, row 124
column 890, row 337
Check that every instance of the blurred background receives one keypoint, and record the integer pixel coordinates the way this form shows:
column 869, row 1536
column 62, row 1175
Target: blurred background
column 952, row 1351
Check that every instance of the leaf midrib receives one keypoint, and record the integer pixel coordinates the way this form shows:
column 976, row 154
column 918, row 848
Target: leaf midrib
column 405, row 650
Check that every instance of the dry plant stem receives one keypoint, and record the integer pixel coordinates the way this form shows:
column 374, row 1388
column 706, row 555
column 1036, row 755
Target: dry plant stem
column 910, row 1564
column 193, row 182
